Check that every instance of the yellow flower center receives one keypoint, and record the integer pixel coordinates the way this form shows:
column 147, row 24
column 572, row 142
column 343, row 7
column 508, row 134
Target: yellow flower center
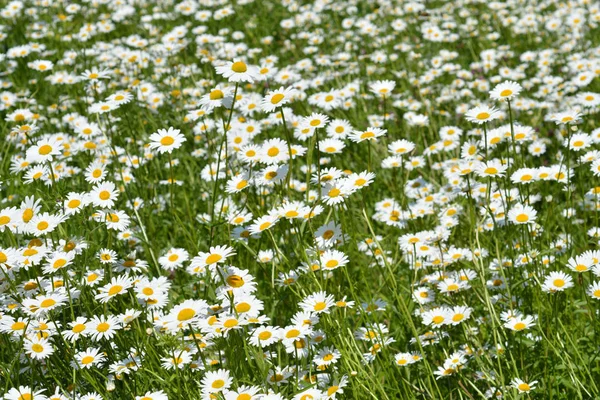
column 185, row 314
column 218, row 384
column 264, row 335
column 559, row 282
column 103, row 327
column 277, row 98
column 519, row 326
column 235, row 281
column 522, row 218
column 45, row 149
column 216, row 94
column 167, row 141
column 115, row 290
column 74, row 203
column 87, row 360
column 239, row 67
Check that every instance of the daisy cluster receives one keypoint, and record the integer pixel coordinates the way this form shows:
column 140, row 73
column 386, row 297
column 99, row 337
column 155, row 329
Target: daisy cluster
column 289, row 200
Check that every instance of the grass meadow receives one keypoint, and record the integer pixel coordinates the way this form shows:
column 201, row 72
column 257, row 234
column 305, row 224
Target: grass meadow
column 299, row 200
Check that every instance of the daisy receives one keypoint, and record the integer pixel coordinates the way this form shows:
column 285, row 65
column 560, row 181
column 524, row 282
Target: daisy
column 238, row 71
column 237, row 280
column 74, row 202
column 118, row 285
column 104, row 195
column 178, row 360
column 45, row 303
column 38, row 348
column 159, row 395
column 102, row 107
column 437, row 317
column 25, row 393
column 215, row 255
column 8, row 218
column 482, row 114
column 339, row 128
column 382, row 88
column 95, row 172
column 335, row 193
column 520, row 323
column 336, row 388
column 327, row 356
column 277, row 98
column 332, row 259
column 370, row 134
column 520, row 214
column 19, row 115
column 566, row 118
column 361, row 180
column 41, row 65
column 94, row 74
column 331, row 146
column 578, row 141
column 218, row 97
column 173, row 259
column 36, row 173
column 589, row 99
column 78, row 328
column 557, row 282
column 459, row 314
column 103, row 327
column 492, row 168
column 89, row 358
column 165, row 141
column 263, row 223
column 506, row 91
column 107, row 256
column 120, row 97
column 264, row 336
column 522, row 386
column 44, row 150
column 401, row 147
column 318, row 303
column 274, row 151
column 216, row 381
column 116, row 220
column 238, row 183
column 315, row 120
column 594, row 290
column 44, row 223
column 188, row 312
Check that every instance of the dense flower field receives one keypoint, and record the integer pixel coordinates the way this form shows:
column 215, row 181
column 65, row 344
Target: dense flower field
column 328, row 199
